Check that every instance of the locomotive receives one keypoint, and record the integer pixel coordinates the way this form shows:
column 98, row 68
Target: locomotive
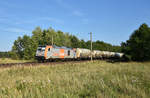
column 53, row 52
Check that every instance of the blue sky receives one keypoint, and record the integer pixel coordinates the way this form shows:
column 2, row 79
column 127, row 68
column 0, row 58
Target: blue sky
column 111, row 21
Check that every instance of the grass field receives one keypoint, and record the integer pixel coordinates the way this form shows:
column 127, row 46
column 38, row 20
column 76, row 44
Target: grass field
column 8, row 60
column 98, row 79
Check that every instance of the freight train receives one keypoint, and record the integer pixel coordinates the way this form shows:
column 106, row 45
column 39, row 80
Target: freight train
column 53, row 52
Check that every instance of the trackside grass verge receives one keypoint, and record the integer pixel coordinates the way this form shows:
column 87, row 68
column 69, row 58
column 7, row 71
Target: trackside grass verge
column 90, row 79
column 8, row 60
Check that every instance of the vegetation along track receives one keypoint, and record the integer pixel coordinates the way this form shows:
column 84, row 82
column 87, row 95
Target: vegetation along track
column 36, row 63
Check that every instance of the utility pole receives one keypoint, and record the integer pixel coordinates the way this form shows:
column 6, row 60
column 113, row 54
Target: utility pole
column 91, row 45
column 52, row 40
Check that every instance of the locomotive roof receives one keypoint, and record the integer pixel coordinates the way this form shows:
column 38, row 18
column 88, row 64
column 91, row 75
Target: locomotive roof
column 54, row 46
column 42, row 46
column 62, row 47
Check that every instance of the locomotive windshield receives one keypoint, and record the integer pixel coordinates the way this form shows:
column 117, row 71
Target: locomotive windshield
column 41, row 49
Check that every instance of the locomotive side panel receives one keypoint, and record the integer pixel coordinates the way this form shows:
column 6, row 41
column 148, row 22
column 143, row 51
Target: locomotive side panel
column 69, row 53
column 54, row 53
column 47, row 50
column 61, row 53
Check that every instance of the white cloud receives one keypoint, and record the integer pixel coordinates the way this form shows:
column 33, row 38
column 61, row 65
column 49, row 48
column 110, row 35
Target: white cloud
column 77, row 13
column 85, row 21
column 16, row 30
column 59, row 1
column 63, row 4
column 9, row 21
column 52, row 20
column 2, row 19
column 2, row 11
column 48, row 19
column 67, row 6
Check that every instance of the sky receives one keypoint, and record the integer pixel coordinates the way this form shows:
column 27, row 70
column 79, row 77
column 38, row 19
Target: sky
column 111, row 21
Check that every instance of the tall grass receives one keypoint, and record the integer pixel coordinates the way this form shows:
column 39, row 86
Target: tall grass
column 90, row 79
column 9, row 60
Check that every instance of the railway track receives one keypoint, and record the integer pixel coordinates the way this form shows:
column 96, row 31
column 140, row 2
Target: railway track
column 36, row 63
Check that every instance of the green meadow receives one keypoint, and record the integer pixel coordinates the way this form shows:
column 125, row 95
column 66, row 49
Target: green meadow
column 98, row 79
column 9, row 60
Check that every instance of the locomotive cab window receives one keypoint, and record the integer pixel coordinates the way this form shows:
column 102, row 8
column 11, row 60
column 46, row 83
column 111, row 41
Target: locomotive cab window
column 41, row 49
column 68, row 52
column 49, row 49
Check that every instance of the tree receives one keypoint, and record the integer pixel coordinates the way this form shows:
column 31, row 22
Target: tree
column 82, row 44
column 23, row 48
column 75, row 42
column 138, row 45
column 5, row 54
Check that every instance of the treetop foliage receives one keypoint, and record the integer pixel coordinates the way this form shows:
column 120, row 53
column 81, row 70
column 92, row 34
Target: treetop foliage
column 138, row 45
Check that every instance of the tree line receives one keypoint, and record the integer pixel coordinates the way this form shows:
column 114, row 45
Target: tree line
column 25, row 47
column 5, row 55
column 136, row 48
